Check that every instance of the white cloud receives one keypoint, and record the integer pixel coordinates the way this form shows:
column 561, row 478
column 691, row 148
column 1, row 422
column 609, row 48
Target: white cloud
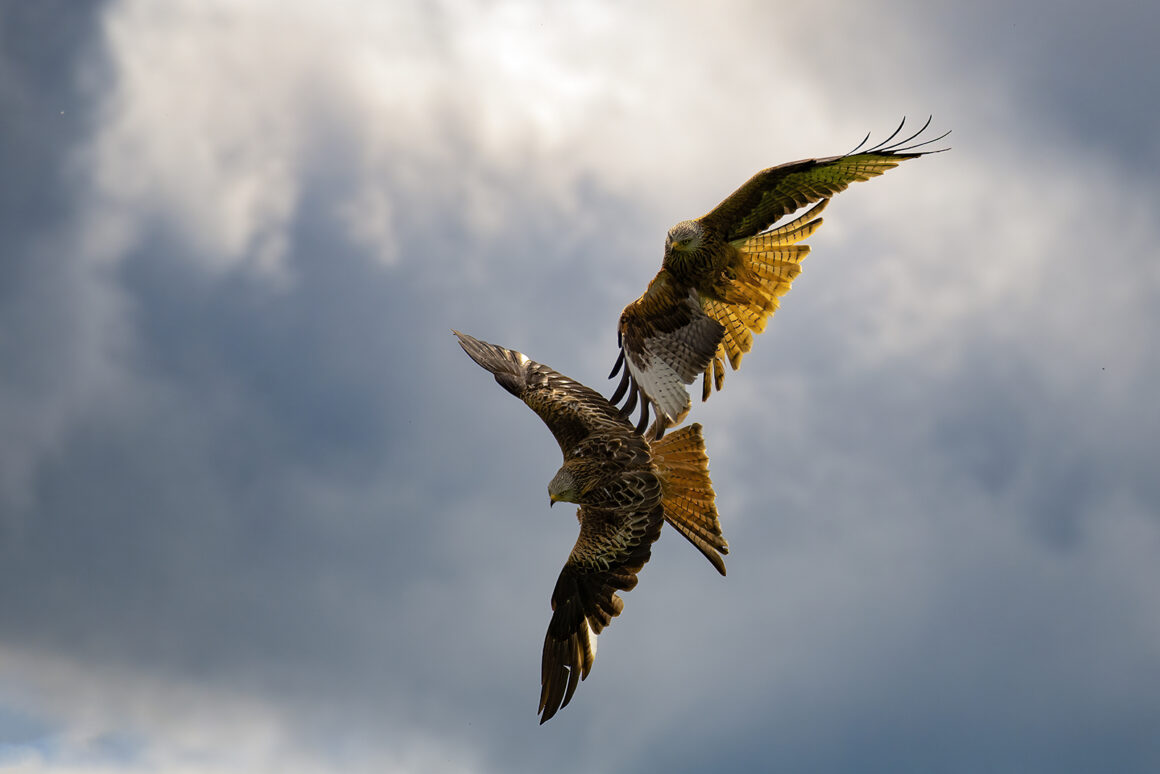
column 219, row 113
column 127, row 720
column 196, row 130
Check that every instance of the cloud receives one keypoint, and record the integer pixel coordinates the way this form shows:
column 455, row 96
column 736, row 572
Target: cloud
column 261, row 513
column 57, row 327
column 172, row 726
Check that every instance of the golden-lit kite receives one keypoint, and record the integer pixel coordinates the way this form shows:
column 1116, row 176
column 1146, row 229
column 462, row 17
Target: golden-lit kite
column 723, row 274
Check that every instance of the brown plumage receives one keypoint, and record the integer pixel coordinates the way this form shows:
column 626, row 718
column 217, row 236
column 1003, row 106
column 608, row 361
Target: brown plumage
column 723, row 274
column 625, row 487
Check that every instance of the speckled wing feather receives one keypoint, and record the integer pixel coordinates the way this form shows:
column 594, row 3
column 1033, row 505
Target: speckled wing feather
column 613, row 546
column 572, row 411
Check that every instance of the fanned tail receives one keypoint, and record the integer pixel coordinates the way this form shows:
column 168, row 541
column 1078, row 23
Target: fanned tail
column 690, row 504
column 770, row 261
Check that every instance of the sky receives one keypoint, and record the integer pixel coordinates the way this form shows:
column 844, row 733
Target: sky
column 259, row 513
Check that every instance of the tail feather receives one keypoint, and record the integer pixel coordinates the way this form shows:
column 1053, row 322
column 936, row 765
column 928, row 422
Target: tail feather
column 689, row 500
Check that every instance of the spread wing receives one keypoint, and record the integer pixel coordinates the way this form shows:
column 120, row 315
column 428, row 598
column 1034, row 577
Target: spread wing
column 778, row 191
column 614, row 544
column 571, row 411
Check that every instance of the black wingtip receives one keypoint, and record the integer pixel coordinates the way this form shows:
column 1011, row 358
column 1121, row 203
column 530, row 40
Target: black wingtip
column 630, row 404
column 858, row 147
column 884, row 146
column 904, row 147
column 619, row 364
column 643, row 423
column 621, row 389
column 635, row 395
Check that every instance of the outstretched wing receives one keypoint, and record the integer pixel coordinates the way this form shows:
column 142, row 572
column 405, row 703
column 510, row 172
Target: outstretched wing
column 666, row 339
column 571, row 411
column 778, row 191
column 614, row 544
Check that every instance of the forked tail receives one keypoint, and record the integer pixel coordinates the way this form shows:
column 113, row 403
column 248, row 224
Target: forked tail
column 689, row 501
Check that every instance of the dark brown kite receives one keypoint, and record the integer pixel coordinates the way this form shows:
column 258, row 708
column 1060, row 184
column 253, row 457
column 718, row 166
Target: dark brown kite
column 625, row 487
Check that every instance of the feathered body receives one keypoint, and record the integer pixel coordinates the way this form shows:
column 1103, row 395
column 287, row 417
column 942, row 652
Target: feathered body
column 626, row 488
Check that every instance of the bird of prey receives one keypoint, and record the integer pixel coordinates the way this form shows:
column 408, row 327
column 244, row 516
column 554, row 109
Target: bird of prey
column 625, row 487
column 723, row 274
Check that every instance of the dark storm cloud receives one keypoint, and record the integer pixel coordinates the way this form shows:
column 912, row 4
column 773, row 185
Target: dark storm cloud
column 43, row 298
column 273, row 494
column 1082, row 66
column 283, row 480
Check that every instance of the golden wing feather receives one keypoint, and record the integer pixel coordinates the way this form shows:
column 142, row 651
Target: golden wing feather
column 775, row 192
column 572, row 411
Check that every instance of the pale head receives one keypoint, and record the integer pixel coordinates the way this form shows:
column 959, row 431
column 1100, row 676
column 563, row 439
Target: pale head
column 562, row 488
column 684, row 237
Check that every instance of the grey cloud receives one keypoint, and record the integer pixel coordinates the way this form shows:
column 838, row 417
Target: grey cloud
column 1077, row 66
column 45, row 297
column 296, row 488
